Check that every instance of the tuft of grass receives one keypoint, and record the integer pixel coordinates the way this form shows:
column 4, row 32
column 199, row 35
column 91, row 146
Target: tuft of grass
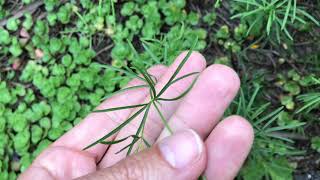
column 275, row 15
column 271, row 146
column 311, row 101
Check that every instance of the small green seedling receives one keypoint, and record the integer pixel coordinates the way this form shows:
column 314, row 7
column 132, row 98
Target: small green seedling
column 4, row 37
column 13, row 24
column 315, row 143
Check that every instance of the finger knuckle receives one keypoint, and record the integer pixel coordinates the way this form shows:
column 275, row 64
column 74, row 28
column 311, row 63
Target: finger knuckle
column 132, row 169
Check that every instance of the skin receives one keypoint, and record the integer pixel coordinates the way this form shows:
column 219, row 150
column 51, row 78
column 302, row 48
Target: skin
column 225, row 144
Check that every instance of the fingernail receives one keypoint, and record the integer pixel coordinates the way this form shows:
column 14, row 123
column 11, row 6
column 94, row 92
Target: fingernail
column 182, row 148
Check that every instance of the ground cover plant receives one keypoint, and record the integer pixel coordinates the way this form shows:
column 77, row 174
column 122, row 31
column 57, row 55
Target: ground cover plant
column 59, row 59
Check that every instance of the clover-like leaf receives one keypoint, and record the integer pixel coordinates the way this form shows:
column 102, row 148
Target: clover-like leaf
column 292, row 87
column 223, row 32
column 315, row 143
column 41, row 146
column 55, row 45
column 28, row 21
column 5, row 94
column 4, row 36
column 36, row 133
column 45, row 123
column 21, row 141
column 13, row 24
column 15, row 48
column 288, row 102
column 19, row 122
column 64, row 14
column 128, row 8
column 210, row 18
column 55, row 133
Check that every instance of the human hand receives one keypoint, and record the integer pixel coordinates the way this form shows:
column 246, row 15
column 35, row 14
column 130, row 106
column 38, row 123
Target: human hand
column 200, row 144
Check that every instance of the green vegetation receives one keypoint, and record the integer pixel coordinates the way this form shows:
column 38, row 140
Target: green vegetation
column 275, row 16
column 58, row 60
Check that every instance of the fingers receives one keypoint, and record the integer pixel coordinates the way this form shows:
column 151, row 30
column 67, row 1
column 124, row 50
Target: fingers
column 154, row 125
column 60, row 163
column 181, row 156
column 34, row 173
column 95, row 125
column 203, row 107
column 227, row 148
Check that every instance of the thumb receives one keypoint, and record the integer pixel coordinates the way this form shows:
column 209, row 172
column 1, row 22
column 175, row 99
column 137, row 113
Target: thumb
column 180, row 156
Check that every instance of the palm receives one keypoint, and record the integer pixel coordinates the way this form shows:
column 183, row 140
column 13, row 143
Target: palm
column 200, row 110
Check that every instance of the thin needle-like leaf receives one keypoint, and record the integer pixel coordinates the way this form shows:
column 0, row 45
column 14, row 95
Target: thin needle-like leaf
column 270, row 21
column 274, row 113
column 164, row 121
column 311, row 100
column 117, row 129
column 292, row 126
column 128, row 73
column 146, row 142
column 294, row 13
column 124, row 148
column 123, row 90
column 120, row 108
column 181, row 95
column 151, row 54
column 270, row 121
column 284, row 22
column 249, row 2
column 118, row 141
column 253, row 97
column 247, row 13
column 140, row 129
column 308, row 16
column 183, row 77
column 149, row 80
column 136, row 54
column 178, row 69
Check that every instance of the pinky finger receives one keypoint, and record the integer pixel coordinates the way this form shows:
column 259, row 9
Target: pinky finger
column 228, row 145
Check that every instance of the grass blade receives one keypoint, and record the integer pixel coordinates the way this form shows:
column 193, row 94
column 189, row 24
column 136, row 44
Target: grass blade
column 274, row 113
column 245, row 14
column 136, row 54
column 285, row 19
column 248, row 2
column 294, row 13
column 270, row 21
column 311, row 100
column 287, row 127
column 308, row 16
column 253, row 97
